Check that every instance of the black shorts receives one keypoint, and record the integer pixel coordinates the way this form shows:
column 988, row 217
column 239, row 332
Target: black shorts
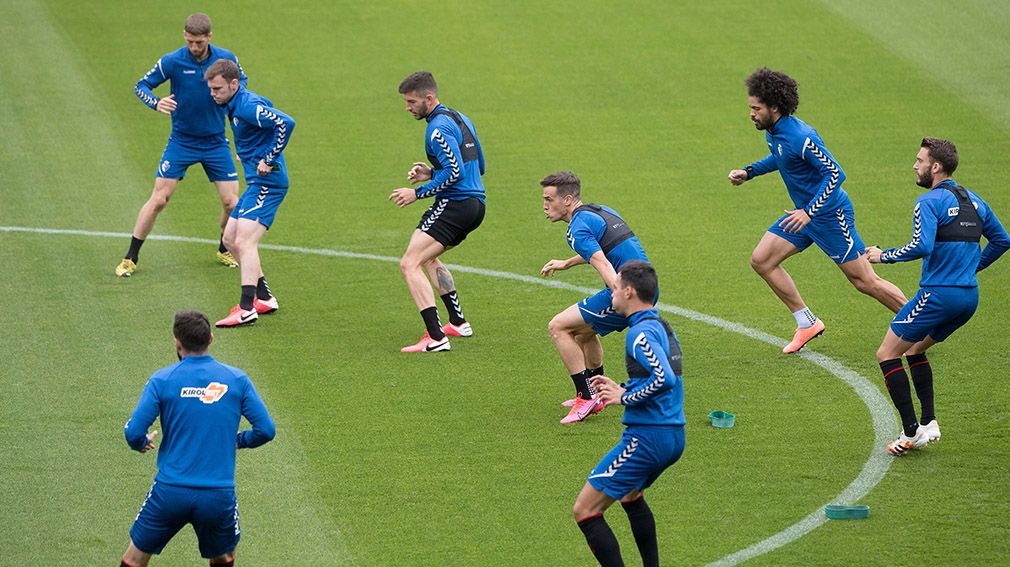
column 449, row 222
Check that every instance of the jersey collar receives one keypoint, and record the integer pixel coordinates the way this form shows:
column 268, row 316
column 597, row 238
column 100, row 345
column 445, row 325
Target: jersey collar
column 234, row 100
column 431, row 115
column 644, row 314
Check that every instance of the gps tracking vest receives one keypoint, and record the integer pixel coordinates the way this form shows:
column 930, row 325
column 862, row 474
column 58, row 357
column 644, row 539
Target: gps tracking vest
column 617, row 230
column 636, row 370
column 967, row 227
column 469, row 146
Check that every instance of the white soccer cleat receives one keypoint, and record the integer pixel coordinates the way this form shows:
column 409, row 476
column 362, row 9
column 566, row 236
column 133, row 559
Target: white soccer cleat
column 932, row 430
column 904, row 444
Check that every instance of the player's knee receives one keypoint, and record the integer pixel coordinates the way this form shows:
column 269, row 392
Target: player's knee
column 883, row 354
column 556, row 327
column 225, row 560
column 759, row 264
column 865, row 285
column 158, row 201
column 409, row 265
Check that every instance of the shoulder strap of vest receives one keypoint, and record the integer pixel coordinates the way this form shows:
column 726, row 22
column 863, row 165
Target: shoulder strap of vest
column 967, row 227
column 615, row 229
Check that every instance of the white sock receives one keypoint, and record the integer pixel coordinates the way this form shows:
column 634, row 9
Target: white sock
column 805, row 318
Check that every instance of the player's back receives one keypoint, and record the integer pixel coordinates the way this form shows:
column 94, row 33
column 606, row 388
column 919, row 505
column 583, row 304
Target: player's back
column 951, row 262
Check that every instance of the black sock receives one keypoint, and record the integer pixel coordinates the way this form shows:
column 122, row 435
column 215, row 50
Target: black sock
column 897, row 385
column 227, row 564
column 134, row 252
column 248, row 292
column 922, row 378
column 432, row 324
column 595, row 371
column 581, row 381
column 602, row 541
column 220, row 245
column 643, row 526
column 262, row 289
column 451, row 301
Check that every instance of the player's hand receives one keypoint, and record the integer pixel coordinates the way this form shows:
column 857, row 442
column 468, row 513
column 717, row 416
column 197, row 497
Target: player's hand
column 607, row 389
column 150, row 442
column 737, row 177
column 797, row 219
column 873, row 254
column 166, row 105
column 262, row 168
column 553, row 266
column 418, row 173
column 403, row 196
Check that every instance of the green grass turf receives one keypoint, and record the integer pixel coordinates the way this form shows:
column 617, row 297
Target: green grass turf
column 458, row 459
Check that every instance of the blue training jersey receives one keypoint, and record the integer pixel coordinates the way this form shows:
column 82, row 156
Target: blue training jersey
column 655, row 388
column 585, row 231
column 200, row 402
column 261, row 133
column 811, row 174
column 453, row 176
column 949, row 263
column 196, row 114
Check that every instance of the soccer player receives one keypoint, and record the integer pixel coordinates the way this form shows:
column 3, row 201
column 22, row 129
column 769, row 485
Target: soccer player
column 261, row 134
column 197, row 133
column 654, row 418
column 200, row 402
column 454, row 181
column 823, row 214
column 948, row 223
column 600, row 238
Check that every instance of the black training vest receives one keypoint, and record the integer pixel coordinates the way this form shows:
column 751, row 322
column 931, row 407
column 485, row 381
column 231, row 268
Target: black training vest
column 617, row 230
column 636, row 370
column 967, row 227
column 469, row 146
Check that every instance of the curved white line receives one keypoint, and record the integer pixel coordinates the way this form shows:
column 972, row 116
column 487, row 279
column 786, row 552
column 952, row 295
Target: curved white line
column 880, row 408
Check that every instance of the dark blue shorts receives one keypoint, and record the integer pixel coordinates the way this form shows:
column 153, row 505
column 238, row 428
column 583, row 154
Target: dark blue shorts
column 212, row 153
column 259, row 203
column 212, row 511
column 834, row 232
column 643, row 453
column 598, row 311
column 935, row 312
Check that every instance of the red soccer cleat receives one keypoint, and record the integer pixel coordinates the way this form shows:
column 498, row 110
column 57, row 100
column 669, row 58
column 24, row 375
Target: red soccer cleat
column 265, row 306
column 427, row 344
column 803, row 336
column 237, row 316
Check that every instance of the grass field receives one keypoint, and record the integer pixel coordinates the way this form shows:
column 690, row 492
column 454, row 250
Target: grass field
column 458, row 459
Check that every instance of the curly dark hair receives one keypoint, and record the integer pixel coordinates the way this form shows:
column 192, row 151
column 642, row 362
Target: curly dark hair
column 774, row 89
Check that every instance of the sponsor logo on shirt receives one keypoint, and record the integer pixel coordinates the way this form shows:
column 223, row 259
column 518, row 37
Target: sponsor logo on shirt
column 780, row 149
column 188, row 72
column 952, row 212
column 212, row 393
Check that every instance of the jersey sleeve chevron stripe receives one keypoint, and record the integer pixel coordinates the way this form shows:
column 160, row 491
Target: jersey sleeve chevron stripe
column 833, row 174
column 454, row 171
column 280, row 133
column 658, row 375
column 143, row 87
column 898, row 254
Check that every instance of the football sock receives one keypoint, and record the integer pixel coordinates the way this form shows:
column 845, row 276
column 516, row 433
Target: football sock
column 134, row 251
column 581, row 381
column 451, row 301
column 595, row 371
column 227, row 564
column 897, row 385
column 805, row 318
column 602, row 541
column 262, row 289
column 643, row 526
column 248, row 292
column 220, row 245
column 432, row 324
column 922, row 378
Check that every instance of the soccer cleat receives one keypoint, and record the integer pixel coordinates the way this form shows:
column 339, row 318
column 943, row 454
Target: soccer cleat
column 464, row 330
column 427, row 344
column 803, row 336
column 238, row 316
column 126, row 268
column 904, row 444
column 227, row 259
column 571, row 403
column 932, row 430
column 265, row 306
column 583, row 409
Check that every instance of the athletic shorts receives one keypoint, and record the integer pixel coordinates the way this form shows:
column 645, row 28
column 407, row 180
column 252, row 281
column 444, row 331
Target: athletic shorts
column 259, row 203
column 449, row 222
column 643, row 453
column 834, row 232
column 935, row 312
column 598, row 311
column 212, row 153
column 212, row 511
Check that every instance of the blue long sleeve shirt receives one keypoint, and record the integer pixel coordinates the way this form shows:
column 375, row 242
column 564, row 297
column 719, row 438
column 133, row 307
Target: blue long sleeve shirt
column 200, row 402
column 585, row 230
column 261, row 133
column 658, row 397
column 809, row 171
column 452, row 177
column 948, row 263
column 196, row 114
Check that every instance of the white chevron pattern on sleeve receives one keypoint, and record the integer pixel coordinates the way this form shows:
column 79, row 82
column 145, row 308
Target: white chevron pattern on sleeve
column 657, row 371
column 454, row 175
column 894, row 254
column 831, row 166
column 282, row 132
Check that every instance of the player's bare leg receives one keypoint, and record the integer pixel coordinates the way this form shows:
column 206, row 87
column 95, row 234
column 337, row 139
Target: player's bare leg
column 860, row 273
column 569, row 333
column 226, row 559
column 163, row 190
column 767, row 260
column 135, row 557
column 592, row 349
column 422, row 250
column 243, row 236
column 228, row 193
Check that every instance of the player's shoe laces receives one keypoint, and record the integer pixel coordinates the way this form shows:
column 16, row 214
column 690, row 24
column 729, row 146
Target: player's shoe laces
column 227, row 259
column 583, row 409
column 427, row 344
column 464, row 330
column 265, row 306
column 238, row 316
column 932, row 430
column 803, row 336
column 904, row 444
column 126, row 268
column 571, row 403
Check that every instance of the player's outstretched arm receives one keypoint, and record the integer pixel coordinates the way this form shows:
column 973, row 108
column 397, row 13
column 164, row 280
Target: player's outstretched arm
column 560, row 265
column 737, row 177
column 419, row 173
column 923, row 237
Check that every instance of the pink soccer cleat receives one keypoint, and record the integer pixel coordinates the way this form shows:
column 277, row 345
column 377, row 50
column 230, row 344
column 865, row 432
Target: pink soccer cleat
column 803, row 336
column 237, row 316
column 265, row 306
column 464, row 330
column 427, row 344
column 583, row 409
